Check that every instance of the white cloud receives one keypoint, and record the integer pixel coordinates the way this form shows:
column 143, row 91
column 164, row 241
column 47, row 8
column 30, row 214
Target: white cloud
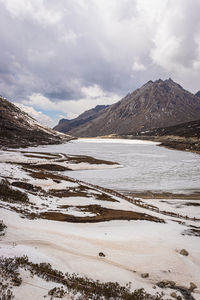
column 69, row 36
column 38, row 115
column 59, row 49
column 176, row 42
column 138, row 66
column 36, row 10
column 93, row 92
column 92, row 96
column 40, row 101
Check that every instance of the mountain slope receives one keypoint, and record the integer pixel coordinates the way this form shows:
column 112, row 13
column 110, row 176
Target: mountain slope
column 184, row 136
column 188, row 130
column 197, row 94
column 155, row 104
column 18, row 129
column 66, row 125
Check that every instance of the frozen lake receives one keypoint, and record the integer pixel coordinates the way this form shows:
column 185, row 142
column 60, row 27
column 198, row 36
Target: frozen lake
column 146, row 166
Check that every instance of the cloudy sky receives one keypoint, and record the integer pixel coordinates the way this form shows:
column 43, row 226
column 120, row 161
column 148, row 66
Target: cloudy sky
column 59, row 58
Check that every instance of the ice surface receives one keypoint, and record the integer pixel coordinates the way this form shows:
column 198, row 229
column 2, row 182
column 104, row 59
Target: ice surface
column 145, row 165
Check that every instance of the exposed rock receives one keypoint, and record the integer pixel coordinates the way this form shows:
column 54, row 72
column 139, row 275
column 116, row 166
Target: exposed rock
column 2, row 228
column 166, row 284
column 101, row 254
column 184, row 252
column 173, row 295
column 154, row 105
column 145, row 275
column 18, row 129
column 192, row 287
column 66, row 125
column 197, row 94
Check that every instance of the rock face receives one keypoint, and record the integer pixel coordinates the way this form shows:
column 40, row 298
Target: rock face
column 66, row 125
column 155, row 104
column 18, row 129
column 192, row 287
column 197, row 94
column 184, row 252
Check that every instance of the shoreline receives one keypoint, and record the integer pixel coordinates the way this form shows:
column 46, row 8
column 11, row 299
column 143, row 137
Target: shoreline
column 172, row 142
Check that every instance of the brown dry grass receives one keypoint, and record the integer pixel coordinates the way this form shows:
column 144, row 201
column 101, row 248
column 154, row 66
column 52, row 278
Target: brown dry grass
column 46, row 167
column 53, row 155
column 164, row 195
column 80, row 191
column 102, row 214
column 38, row 157
column 91, row 160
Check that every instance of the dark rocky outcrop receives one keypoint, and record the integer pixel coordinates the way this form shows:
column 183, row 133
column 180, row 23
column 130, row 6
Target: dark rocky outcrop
column 18, row 129
column 197, row 94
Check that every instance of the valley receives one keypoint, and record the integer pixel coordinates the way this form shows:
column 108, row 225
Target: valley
column 72, row 206
column 99, row 150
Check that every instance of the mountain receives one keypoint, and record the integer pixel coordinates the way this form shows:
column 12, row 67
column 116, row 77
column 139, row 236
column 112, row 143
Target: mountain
column 188, row 130
column 18, row 129
column 155, row 104
column 66, row 125
column 184, row 136
column 197, row 94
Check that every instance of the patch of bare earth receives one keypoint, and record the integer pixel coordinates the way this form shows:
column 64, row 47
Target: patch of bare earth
column 102, row 214
column 80, row 191
column 90, row 160
column 164, row 195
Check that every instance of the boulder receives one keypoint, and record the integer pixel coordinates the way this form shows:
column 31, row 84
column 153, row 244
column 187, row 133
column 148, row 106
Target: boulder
column 192, row 286
column 145, row 275
column 184, row 252
column 173, row 295
column 166, row 284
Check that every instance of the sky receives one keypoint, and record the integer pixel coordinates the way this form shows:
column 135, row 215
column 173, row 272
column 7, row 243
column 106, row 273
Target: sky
column 60, row 58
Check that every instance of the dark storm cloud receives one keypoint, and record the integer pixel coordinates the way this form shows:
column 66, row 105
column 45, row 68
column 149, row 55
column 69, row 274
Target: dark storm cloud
column 69, row 50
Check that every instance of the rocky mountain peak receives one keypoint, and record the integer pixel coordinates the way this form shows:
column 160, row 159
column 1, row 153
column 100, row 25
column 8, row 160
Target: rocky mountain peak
column 156, row 104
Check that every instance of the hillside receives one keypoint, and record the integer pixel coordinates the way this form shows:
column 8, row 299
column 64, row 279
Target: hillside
column 188, row 129
column 66, row 125
column 184, row 136
column 18, row 129
column 155, row 104
column 198, row 94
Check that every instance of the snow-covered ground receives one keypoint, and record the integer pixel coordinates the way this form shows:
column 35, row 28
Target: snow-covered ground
column 131, row 248
column 191, row 208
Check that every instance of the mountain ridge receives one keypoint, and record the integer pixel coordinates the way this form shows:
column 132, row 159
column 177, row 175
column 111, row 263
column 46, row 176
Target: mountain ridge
column 66, row 125
column 18, row 129
column 156, row 104
column 197, row 94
